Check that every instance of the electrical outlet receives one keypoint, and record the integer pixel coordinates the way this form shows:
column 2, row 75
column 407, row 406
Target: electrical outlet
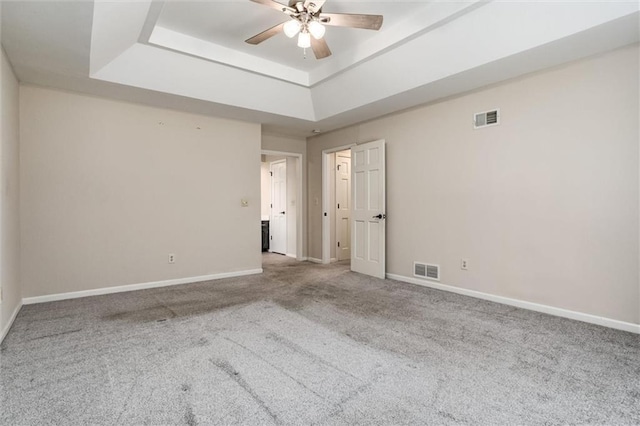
column 464, row 264
column 172, row 258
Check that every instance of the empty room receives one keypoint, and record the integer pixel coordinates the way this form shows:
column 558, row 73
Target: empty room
column 320, row 212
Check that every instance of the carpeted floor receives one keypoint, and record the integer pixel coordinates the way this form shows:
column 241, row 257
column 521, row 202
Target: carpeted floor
column 311, row 344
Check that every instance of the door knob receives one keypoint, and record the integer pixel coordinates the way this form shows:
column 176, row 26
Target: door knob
column 380, row 216
column 281, row 212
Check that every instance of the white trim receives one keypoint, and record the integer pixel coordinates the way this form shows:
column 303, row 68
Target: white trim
column 132, row 287
column 551, row 310
column 7, row 327
column 314, row 260
column 333, row 260
column 326, row 220
column 291, row 255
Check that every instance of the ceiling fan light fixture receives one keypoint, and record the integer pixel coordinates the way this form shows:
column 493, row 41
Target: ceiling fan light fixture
column 304, row 40
column 291, row 28
column 316, row 29
column 306, row 19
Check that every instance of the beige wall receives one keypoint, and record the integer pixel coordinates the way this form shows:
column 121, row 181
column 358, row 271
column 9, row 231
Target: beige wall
column 109, row 189
column 284, row 143
column 544, row 206
column 9, row 202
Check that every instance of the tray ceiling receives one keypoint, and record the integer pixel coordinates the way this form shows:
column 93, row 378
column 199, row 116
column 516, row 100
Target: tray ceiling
column 192, row 56
column 228, row 24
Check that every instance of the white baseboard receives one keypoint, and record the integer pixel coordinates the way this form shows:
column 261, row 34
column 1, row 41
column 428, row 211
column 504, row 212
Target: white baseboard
column 7, row 327
column 565, row 313
column 132, row 287
column 291, row 255
column 314, row 260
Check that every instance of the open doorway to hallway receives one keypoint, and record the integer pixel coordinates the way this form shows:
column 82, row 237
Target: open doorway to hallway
column 280, row 203
column 342, row 216
column 337, row 205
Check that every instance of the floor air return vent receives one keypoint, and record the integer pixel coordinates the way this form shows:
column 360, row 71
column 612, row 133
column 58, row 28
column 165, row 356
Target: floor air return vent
column 425, row 270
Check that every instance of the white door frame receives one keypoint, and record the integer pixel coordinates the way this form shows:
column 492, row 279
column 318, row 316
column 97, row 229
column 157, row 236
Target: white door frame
column 300, row 203
column 327, row 212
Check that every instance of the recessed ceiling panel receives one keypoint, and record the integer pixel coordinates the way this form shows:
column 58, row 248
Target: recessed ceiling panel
column 230, row 23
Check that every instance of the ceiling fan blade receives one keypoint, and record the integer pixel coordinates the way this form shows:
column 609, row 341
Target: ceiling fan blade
column 314, row 6
column 274, row 5
column 367, row 22
column 320, row 48
column 266, row 34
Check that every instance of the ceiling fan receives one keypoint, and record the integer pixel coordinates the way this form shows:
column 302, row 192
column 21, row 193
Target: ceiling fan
column 308, row 21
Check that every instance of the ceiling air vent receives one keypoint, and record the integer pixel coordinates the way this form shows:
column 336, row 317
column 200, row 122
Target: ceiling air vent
column 424, row 270
column 487, row 118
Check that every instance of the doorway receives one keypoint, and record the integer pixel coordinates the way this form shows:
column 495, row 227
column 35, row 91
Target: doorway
column 278, row 207
column 342, row 215
column 366, row 198
column 281, row 212
column 336, row 202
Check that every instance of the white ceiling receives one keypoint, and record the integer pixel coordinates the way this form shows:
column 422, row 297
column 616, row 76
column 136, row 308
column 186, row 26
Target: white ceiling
column 192, row 56
column 229, row 23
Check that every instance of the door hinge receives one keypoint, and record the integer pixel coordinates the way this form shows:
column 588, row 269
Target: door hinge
column 271, row 237
column 338, row 243
column 271, row 205
column 338, row 167
column 271, row 173
column 338, row 205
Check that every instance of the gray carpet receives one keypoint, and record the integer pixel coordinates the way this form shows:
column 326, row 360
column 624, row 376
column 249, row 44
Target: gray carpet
column 311, row 344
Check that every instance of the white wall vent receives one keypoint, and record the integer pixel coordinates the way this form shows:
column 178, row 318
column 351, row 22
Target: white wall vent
column 486, row 119
column 425, row 270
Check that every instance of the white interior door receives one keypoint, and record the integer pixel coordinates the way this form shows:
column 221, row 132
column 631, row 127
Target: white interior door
column 343, row 205
column 368, row 212
column 278, row 218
